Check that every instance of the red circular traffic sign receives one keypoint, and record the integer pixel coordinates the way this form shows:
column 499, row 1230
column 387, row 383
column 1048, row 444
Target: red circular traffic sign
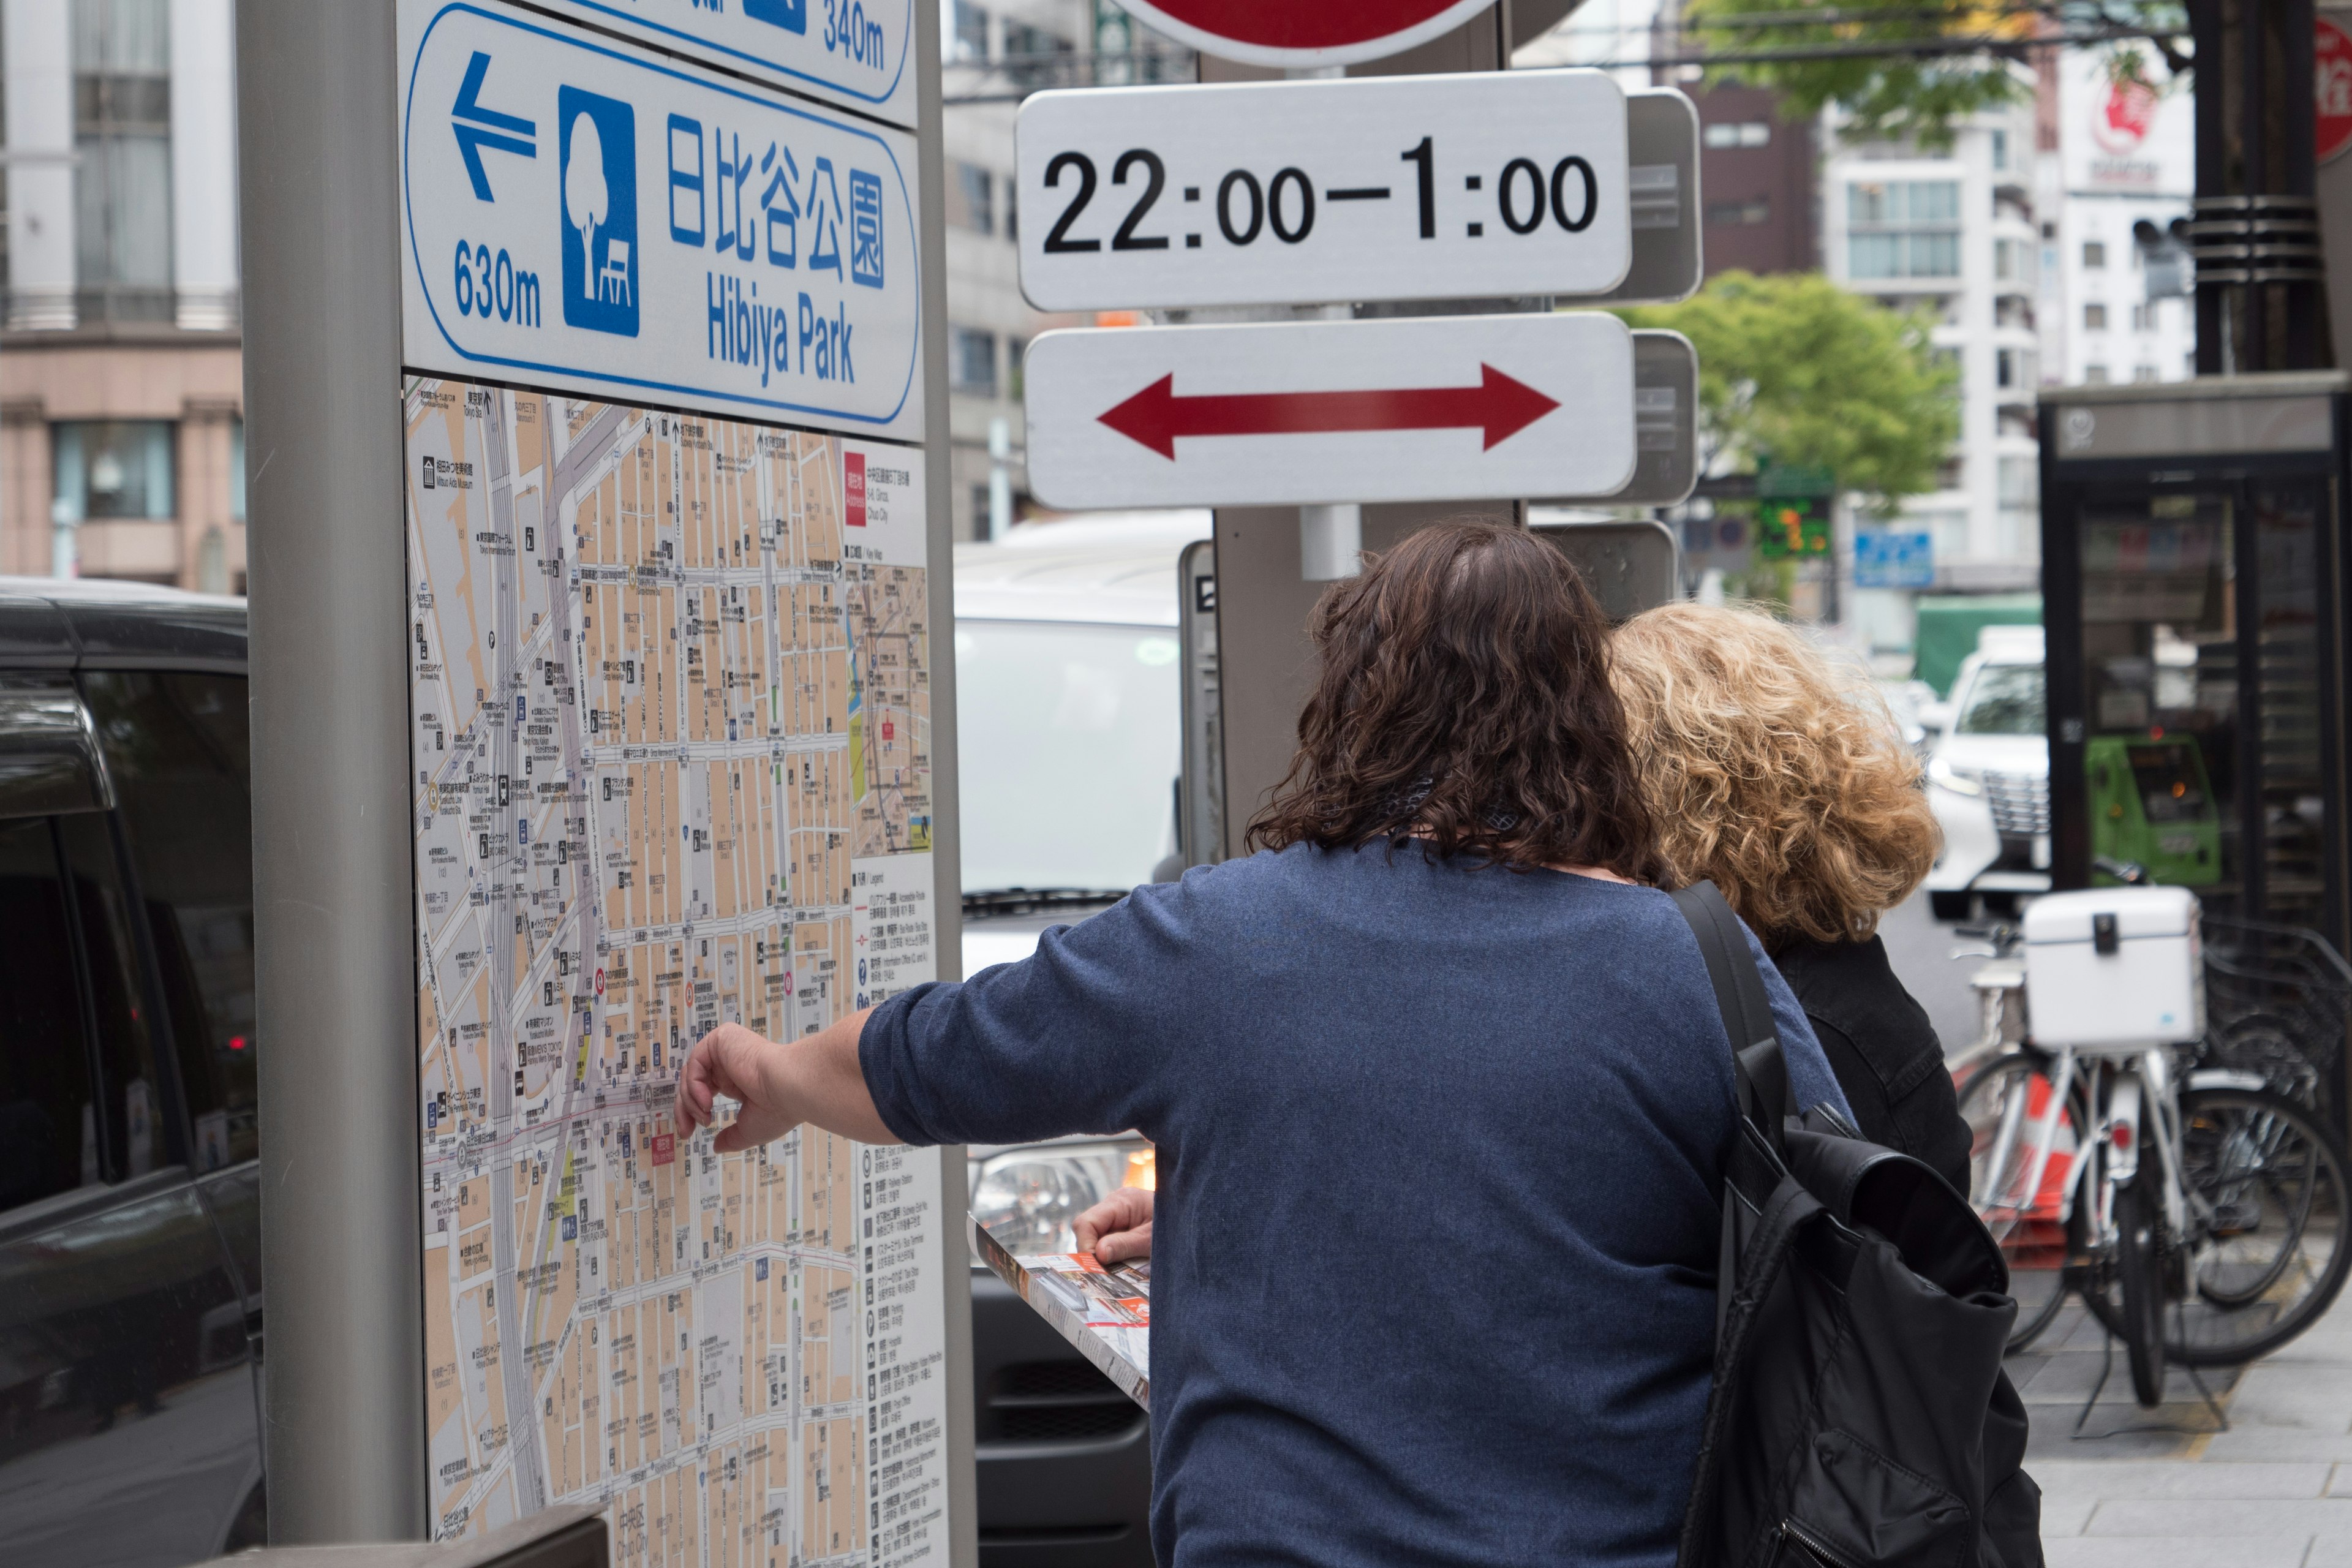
column 2332, row 88
column 1303, row 32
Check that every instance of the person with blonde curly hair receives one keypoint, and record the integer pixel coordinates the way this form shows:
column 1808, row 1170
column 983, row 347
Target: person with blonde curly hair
column 1773, row 769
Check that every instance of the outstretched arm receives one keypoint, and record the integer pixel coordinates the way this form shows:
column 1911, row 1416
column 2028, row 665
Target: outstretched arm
column 781, row 1084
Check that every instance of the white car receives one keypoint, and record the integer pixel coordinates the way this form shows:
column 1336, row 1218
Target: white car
column 1989, row 777
column 1069, row 735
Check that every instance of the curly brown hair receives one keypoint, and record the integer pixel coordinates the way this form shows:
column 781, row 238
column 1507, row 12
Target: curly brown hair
column 1773, row 769
column 1464, row 700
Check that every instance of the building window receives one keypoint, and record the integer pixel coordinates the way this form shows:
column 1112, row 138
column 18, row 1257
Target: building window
column 971, row 39
column 122, row 169
column 1033, row 56
column 1738, row 133
column 2094, row 256
column 2021, row 481
column 2094, row 375
column 971, row 199
column 112, row 468
column 2143, row 318
column 1016, row 351
column 1904, row 228
column 2013, row 260
column 236, row 466
column 2143, row 373
column 2001, row 148
column 1754, row 210
column 2094, row 319
column 971, row 361
column 1952, row 474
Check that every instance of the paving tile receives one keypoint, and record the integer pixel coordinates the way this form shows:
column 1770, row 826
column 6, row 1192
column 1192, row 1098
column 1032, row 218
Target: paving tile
column 2222, row 1517
column 2293, row 1396
column 2247, row 1443
column 2114, row 1436
column 2073, row 1479
column 2330, row 1551
column 2061, row 1516
column 2179, row 1551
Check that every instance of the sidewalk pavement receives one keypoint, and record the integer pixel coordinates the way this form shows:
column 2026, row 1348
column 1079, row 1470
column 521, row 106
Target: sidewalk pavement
column 2169, row 1487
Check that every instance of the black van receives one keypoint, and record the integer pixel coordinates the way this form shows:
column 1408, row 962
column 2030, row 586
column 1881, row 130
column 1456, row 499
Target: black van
column 130, row 1309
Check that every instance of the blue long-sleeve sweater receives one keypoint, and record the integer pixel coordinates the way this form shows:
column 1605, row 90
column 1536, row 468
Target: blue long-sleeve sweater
column 1440, row 1149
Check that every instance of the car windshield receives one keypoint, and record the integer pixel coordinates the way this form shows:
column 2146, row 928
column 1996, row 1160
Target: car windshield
column 2005, row 699
column 1069, row 737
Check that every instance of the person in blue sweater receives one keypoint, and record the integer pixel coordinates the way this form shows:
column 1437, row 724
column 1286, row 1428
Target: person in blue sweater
column 1438, row 1087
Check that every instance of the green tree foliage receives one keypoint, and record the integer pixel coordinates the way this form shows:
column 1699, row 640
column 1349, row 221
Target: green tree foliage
column 1907, row 70
column 1794, row 366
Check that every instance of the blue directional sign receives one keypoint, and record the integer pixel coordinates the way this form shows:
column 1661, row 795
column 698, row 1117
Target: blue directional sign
column 854, row 52
column 592, row 217
column 1891, row 558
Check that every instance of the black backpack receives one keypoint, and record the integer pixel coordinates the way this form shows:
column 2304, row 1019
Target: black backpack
column 1859, row 1416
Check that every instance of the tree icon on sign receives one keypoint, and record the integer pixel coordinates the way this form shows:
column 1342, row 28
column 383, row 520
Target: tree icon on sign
column 586, row 202
column 598, row 216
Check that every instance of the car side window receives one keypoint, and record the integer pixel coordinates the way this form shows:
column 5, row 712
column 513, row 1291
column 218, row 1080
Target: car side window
column 177, row 749
column 49, row 1121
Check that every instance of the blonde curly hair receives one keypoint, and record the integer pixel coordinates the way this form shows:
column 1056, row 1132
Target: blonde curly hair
column 1772, row 769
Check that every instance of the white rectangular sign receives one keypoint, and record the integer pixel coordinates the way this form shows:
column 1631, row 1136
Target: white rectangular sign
column 1422, row 188
column 1309, row 412
column 855, row 52
column 598, row 219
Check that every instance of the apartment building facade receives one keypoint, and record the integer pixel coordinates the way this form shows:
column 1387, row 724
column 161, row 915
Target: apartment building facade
column 1952, row 233
column 121, row 430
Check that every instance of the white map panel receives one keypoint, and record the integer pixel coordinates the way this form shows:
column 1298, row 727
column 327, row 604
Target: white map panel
column 670, row 723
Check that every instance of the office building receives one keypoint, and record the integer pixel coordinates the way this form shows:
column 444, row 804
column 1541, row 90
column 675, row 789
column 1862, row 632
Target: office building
column 996, row 53
column 2121, row 171
column 1951, row 233
column 120, row 383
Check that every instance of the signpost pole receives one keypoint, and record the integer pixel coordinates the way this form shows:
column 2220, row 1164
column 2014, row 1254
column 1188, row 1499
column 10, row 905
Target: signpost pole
column 947, row 830
column 333, row 901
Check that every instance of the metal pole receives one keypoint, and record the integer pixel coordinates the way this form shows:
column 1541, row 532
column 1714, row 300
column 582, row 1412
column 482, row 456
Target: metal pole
column 333, row 904
column 2212, row 173
column 2253, row 111
column 947, row 837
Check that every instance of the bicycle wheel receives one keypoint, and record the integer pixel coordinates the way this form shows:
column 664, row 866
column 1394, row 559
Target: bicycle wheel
column 2271, row 1251
column 2267, row 1250
column 2031, row 1236
column 2140, row 1277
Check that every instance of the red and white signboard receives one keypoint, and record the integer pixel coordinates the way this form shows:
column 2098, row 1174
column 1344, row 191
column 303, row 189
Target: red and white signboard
column 2332, row 88
column 1303, row 32
column 1309, row 412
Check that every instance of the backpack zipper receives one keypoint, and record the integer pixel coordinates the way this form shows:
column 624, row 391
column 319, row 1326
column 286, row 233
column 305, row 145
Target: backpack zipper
column 1811, row 1545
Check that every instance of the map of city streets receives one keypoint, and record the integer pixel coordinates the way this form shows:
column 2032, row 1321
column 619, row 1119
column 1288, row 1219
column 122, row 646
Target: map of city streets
column 671, row 732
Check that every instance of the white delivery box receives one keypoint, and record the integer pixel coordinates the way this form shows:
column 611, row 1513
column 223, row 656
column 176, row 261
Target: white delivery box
column 2115, row 966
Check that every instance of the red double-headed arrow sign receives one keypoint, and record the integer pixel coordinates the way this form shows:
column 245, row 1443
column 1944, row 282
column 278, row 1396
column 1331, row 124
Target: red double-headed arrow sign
column 1499, row 404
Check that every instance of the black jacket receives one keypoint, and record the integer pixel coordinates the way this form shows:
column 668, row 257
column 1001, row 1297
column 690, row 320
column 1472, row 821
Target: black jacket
column 1883, row 1051
column 1891, row 1065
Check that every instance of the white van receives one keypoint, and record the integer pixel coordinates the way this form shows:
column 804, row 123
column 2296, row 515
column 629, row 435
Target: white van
column 1989, row 777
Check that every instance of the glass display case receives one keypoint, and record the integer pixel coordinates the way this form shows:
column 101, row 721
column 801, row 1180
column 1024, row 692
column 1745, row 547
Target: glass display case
column 2193, row 578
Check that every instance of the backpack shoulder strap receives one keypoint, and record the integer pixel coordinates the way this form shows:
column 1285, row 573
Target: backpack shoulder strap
column 1746, row 1008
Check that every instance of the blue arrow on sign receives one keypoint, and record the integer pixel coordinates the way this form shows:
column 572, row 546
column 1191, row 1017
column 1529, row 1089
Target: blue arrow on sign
column 477, row 128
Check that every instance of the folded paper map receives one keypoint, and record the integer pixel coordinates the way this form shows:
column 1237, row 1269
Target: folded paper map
column 1105, row 1310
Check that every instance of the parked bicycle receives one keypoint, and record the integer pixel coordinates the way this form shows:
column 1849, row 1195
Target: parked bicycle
column 2181, row 1187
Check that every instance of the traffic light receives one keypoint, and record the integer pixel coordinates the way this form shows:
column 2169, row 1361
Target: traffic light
column 1791, row 526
